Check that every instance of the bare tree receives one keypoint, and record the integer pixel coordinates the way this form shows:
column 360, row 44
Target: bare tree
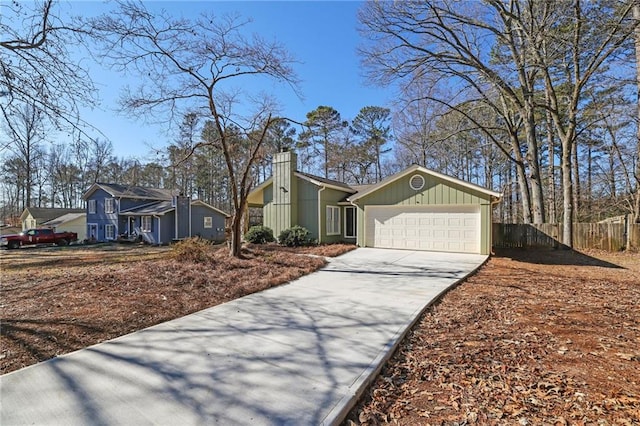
column 189, row 65
column 594, row 33
column 636, row 17
column 446, row 41
column 24, row 124
column 36, row 66
column 503, row 53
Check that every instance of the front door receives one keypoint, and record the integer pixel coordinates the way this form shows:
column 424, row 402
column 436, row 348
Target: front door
column 92, row 231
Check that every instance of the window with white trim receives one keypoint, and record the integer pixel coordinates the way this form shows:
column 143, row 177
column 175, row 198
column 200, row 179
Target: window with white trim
column 333, row 220
column 92, row 206
column 350, row 222
column 109, row 205
column 110, row 232
column 145, row 223
column 208, row 222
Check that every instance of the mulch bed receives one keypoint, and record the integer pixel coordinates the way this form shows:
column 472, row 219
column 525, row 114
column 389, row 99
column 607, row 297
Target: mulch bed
column 534, row 338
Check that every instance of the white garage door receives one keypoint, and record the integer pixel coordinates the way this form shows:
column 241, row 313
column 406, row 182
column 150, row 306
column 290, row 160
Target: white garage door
column 437, row 228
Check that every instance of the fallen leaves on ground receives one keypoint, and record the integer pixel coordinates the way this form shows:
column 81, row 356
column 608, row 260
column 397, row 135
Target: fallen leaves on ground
column 535, row 337
column 55, row 301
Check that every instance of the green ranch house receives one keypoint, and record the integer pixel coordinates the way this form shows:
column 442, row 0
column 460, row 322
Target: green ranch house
column 415, row 209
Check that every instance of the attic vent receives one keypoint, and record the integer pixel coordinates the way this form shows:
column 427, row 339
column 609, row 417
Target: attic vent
column 416, row 182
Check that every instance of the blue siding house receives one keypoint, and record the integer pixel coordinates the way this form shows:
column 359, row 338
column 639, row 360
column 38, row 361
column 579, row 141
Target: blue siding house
column 156, row 216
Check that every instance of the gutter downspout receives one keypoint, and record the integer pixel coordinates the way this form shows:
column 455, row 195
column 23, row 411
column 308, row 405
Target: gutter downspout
column 320, row 214
column 364, row 236
column 175, row 216
column 117, row 212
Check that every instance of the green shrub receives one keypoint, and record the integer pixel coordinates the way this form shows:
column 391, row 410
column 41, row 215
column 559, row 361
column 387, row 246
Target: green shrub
column 259, row 235
column 296, row 236
column 194, row 249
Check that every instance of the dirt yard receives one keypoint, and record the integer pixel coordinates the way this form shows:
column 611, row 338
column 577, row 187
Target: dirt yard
column 534, row 338
column 57, row 300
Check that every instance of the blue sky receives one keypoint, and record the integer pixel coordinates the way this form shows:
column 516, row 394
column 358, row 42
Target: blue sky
column 321, row 35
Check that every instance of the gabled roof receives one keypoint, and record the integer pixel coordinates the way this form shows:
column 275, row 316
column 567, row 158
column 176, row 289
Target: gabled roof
column 316, row 180
column 202, row 203
column 65, row 218
column 41, row 214
column 415, row 168
column 157, row 208
column 129, row 191
column 330, row 183
column 163, row 207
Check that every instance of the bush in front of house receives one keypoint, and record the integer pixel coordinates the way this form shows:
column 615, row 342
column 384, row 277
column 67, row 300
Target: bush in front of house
column 193, row 249
column 296, row 236
column 259, row 235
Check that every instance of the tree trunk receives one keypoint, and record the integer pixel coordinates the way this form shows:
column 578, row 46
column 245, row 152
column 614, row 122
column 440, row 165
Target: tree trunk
column 636, row 210
column 521, row 177
column 551, row 175
column 235, row 246
column 575, row 170
column 533, row 160
column 567, row 196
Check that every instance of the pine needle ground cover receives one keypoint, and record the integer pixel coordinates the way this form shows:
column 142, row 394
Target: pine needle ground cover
column 535, row 337
column 55, row 301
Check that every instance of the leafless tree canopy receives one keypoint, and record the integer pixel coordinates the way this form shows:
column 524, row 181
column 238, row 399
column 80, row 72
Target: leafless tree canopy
column 527, row 61
column 37, row 67
column 198, row 66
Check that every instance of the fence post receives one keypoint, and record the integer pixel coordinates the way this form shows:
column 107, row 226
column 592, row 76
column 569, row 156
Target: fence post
column 627, row 232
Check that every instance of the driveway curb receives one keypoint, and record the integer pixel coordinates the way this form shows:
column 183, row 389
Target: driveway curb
column 358, row 388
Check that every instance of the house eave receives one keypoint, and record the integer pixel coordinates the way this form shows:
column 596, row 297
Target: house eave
column 209, row 206
column 324, row 184
column 416, row 168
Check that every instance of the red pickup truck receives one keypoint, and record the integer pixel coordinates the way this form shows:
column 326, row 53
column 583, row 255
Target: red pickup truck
column 37, row 236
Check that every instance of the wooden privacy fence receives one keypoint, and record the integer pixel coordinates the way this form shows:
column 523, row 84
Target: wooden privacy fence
column 604, row 236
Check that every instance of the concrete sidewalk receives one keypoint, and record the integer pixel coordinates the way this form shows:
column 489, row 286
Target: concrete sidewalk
column 299, row 354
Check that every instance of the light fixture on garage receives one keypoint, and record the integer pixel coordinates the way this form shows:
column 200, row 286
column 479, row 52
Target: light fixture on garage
column 416, row 182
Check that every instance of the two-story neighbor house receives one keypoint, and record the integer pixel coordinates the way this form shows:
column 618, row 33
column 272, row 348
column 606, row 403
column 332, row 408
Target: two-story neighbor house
column 157, row 216
column 416, row 209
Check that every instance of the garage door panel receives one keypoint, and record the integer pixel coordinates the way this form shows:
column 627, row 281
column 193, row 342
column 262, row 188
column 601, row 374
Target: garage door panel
column 454, row 221
column 437, row 228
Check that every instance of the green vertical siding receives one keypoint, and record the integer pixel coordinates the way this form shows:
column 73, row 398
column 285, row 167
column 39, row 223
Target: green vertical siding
column 331, row 197
column 436, row 191
column 308, row 206
column 284, row 192
column 485, row 232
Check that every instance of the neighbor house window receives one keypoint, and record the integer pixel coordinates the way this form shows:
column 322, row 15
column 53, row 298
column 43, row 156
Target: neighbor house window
column 208, row 222
column 109, row 205
column 92, row 206
column 110, row 232
column 145, row 225
column 350, row 222
column 333, row 220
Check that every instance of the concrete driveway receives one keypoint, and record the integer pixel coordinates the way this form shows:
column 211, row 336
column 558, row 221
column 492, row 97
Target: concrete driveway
column 299, row 354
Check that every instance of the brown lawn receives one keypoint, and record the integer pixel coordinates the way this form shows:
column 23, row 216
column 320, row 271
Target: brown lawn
column 534, row 338
column 57, row 300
